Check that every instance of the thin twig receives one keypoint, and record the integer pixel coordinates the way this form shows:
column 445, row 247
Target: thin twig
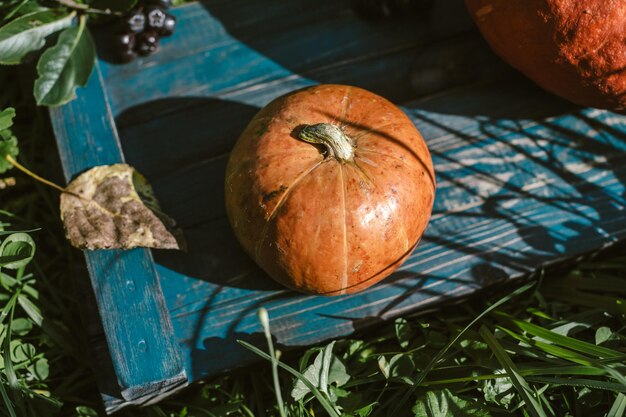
column 71, row 4
column 31, row 174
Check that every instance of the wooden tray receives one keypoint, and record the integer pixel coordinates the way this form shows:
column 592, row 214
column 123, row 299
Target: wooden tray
column 524, row 179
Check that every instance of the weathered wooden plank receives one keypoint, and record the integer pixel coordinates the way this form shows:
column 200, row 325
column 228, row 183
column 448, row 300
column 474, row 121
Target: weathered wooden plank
column 206, row 130
column 138, row 330
column 524, row 180
column 219, row 55
column 513, row 194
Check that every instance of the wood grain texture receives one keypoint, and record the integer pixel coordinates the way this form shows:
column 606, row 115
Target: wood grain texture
column 524, row 179
column 136, row 324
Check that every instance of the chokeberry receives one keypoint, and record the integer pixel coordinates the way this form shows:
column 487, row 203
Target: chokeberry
column 155, row 17
column 124, row 41
column 147, row 42
column 124, row 55
column 135, row 21
column 168, row 25
column 161, row 21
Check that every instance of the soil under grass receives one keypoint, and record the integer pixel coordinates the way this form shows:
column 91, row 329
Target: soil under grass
column 556, row 349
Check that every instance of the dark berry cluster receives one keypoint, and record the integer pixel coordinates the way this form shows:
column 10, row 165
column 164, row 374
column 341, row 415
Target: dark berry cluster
column 141, row 29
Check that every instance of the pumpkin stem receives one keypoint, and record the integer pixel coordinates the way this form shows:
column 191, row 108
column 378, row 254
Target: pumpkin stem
column 339, row 145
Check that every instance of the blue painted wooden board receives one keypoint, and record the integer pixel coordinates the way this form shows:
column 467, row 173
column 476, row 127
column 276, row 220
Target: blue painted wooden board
column 524, row 179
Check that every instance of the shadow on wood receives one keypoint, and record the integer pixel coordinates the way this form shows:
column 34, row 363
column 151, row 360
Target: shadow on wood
column 199, row 132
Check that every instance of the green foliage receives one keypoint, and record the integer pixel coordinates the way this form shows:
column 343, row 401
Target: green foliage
column 520, row 356
column 8, row 142
column 65, row 66
column 404, row 332
column 28, row 29
column 525, row 392
column 28, row 33
column 23, row 367
column 445, row 404
column 325, row 371
column 6, row 118
column 16, row 251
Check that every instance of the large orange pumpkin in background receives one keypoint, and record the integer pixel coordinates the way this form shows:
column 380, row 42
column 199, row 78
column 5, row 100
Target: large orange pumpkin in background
column 329, row 189
column 573, row 48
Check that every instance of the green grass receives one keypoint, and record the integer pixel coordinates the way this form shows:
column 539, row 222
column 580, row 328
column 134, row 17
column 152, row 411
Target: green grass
column 553, row 348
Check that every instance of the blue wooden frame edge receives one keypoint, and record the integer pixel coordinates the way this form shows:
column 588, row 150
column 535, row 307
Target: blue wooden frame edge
column 138, row 329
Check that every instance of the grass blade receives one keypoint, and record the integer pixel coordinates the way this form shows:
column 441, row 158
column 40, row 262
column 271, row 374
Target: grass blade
column 614, row 373
column 563, row 370
column 433, row 362
column 550, row 349
column 619, row 406
column 561, row 340
column 11, row 376
column 528, row 373
column 579, row 382
column 265, row 322
column 320, row 397
column 518, row 381
column 7, row 400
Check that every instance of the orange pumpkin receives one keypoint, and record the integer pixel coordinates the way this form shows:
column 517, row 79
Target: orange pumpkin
column 329, row 189
column 573, row 48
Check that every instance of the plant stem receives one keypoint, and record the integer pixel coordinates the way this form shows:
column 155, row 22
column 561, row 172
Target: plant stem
column 338, row 144
column 31, row 174
column 265, row 322
column 14, row 11
column 70, row 4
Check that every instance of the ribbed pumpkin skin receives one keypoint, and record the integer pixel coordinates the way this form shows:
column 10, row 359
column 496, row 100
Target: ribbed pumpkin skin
column 573, row 48
column 318, row 225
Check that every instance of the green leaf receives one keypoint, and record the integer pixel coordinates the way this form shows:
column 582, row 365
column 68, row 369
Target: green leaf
column 619, row 406
column 603, row 334
column 326, row 369
column 65, row 66
column 499, row 391
column 579, row 382
column 21, row 326
column 7, row 147
column 400, row 366
column 40, row 370
column 433, row 362
column 6, row 118
column 364, row 411
column 564, row 341
column 8, row 142
column 21, row 352
column 357, row 404
column 555, row 350
column 23, row 8
column 445, row 404
column 383, row 366
column 83, row 411
column 28, row 33
column 16, row 251
column 330, row 409
column 518, row 381
column 32, row 311
column 404, row 332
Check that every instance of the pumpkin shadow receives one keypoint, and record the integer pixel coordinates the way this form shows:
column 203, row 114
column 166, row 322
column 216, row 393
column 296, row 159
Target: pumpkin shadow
column 182, row 145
